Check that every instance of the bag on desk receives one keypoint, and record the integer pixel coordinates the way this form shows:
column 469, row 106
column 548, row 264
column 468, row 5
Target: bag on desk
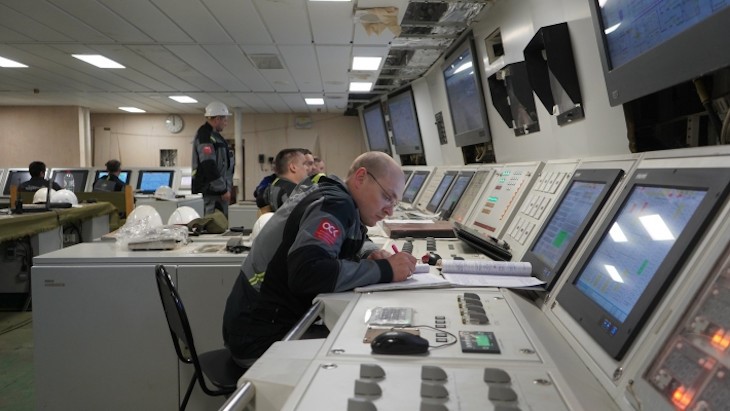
column 215, row 223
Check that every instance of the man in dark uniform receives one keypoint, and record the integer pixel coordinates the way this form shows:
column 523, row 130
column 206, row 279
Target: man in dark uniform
column 37, row 170
column 290, row 168
column 213, row 160
column 111, row 181
column 315, row 243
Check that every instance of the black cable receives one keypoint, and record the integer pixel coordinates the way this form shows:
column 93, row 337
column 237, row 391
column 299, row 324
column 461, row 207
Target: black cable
column 16, row 326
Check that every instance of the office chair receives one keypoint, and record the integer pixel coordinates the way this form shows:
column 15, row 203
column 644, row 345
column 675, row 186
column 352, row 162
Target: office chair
column 217, row 365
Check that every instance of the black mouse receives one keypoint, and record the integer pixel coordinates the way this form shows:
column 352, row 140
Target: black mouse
column 398, row 343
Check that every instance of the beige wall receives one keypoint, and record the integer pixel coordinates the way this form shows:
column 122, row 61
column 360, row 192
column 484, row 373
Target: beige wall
column 48, row 134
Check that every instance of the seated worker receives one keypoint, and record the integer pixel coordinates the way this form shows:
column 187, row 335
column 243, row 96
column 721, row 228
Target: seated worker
column 111, row 181
column 290, row 169
column 316, row 243
column 37, row 180
column 319, row 165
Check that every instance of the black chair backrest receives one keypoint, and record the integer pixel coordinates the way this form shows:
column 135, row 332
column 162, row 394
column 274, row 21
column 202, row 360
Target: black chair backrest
column 177, row 319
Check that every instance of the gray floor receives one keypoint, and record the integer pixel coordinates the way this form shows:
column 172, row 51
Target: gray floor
column 16, row 361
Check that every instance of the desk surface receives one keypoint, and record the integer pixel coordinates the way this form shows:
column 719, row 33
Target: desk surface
column 15, row 226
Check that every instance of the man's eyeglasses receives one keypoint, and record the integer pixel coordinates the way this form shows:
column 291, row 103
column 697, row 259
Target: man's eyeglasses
column 392, row 201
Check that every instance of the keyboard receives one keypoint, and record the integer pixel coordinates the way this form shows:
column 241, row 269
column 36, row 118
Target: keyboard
column 391, row 316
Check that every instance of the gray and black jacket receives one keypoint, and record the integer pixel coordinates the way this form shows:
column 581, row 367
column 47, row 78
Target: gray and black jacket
column 212, row 163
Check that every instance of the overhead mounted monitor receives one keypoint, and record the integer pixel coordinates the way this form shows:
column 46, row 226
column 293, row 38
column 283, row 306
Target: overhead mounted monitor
column 644, row 242
column 452, row 197
column 462, row 77
column 64, row 177
column 441, row 190
column 14, row 178
column 649, row 46
column 375, row 130
column 123, row 175
column 404, row 123
column 149, row 180
column 575, row 212
column 414, row 186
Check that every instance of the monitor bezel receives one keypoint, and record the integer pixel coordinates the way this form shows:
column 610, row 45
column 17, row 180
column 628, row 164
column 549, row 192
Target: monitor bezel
column 376, row 106
column 140, row 178
column 97, row 175
column 425, row 173
column 433, row 207
column 540, row 269
column 405, row 94
column 589, row 315
column 470, row 175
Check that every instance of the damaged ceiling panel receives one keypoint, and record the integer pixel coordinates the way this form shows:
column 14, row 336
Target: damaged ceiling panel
column 428, row 29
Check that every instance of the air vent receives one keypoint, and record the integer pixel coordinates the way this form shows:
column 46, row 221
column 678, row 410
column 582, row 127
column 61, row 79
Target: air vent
column 266, row 61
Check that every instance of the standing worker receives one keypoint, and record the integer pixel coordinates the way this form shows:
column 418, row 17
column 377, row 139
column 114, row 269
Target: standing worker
column 213, row 160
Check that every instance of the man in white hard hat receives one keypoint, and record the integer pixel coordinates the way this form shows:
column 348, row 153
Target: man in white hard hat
column 213, row 160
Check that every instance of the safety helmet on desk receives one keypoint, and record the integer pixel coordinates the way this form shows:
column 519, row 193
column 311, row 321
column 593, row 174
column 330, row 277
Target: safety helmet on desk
column 256, row 229
column 164, row 193
column 64, row 196
column 146, row 213
column 215, row 109
column 183, row 215
column 40, row 196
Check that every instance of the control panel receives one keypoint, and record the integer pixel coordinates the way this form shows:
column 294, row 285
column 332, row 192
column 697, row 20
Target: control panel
column 469, row 198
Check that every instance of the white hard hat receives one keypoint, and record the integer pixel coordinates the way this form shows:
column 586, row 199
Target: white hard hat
column 145, row 213
column 257, row 226
column 183, row 215
column 215, row 109
column 64, row 196
column 164, row 193
column 40, row 195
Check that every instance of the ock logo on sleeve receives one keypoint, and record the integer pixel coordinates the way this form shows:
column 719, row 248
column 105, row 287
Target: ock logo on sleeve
column 207, row 149
column 327, row 232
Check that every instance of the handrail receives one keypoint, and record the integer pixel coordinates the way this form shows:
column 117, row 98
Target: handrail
column 240, row 398
column 301, row 327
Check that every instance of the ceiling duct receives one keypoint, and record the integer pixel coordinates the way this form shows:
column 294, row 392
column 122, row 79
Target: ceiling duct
column 266, row 61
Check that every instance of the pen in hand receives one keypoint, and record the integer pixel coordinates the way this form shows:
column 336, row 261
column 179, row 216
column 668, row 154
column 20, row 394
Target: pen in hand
column 395, row 248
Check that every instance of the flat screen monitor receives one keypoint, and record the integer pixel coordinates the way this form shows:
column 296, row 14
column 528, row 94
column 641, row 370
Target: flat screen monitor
column 375, row 130
column 649, row 46
column 414, row 186
column 404, row 122
column 452, row 197
column 441, row 190
column 644, row 242
column 149, row 180
column 463, row 206
column 466, row 95
column 568, row 222
column 186, row 182
column 80, row 177
column 407, row 174
column 123, row 175
column 14, row 178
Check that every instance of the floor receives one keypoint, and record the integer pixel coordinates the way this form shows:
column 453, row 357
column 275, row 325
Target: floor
column 16, row 361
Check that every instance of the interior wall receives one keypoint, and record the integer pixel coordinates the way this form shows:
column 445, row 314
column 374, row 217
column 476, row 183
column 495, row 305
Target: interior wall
column 601, row 132
column 48, row 134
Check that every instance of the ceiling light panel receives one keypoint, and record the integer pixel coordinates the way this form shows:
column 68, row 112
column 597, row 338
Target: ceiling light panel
column 184, row 99
column 132, row 109
column 366, row 63
column 5, row 62
column 360, row 86
column 98, row 60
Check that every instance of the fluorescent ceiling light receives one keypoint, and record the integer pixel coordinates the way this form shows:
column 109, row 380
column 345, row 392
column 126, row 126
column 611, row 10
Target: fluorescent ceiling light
column 184, row 99
column 132, row 109
column 656, row 227
column 314, row 101
column 98, row 61
column 10, row 63
column 361, row 86
column 366, row 63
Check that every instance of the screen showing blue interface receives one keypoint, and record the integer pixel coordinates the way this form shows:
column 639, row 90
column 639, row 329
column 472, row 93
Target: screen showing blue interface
column 568, row 217
column 414, row 186
column 629, row 254
column 149, row 181
column 633, row 27
column 456, row 191
column 440, row 191
column 123, row 175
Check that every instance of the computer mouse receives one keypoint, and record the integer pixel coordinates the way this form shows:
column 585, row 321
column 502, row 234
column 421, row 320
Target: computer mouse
column 399, row 343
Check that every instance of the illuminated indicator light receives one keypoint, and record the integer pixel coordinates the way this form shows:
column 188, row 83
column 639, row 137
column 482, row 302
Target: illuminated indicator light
column 493, row 199
column 502, row 180
column 506, row 173
column 725, row 342
column 717, row 338
column 682, row 398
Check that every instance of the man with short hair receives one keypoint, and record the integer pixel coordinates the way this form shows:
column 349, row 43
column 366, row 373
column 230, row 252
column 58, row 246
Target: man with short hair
column 213, row 160
column 319, row 165
column 290, row 168
column 111, row 181
column 316, row 243
column 37, row 170
column 309, row 162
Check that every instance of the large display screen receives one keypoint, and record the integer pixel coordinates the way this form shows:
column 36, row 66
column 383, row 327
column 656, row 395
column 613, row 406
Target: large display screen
column 441, row 190
column 414, row 186
column 404, row 121
column 466, row 96
column 454, row 194
column 568, row 222
column 149, row 180
column 645, row 45
column 15, row 177
column 80, row 176
column 375, row 130
column 646, row 240
column 123, row 175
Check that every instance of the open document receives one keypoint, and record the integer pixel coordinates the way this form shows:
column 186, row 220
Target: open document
column 465, row 273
